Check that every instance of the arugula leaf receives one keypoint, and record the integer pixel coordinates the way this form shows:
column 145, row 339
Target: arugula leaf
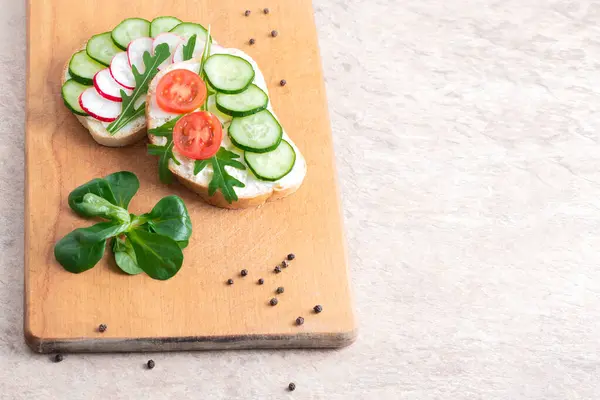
column 99, row 187
column 221, row 179
column 205, row 54
column 165, row 152
column 81, row 249
column 151, row 62
column 200, row 164
column 165, row 129
column 170, row 217
column 188, row 49
column 159, row 256
column 125, row 256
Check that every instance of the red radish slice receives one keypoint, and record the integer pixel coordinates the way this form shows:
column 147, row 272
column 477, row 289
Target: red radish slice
column 178, row 53
column 107, row 87
column 172, row 40
column 136, row 50
column 121, row 71
column 98, row 107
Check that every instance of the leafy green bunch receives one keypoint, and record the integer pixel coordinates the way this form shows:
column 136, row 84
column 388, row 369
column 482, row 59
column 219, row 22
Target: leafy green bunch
column 150, row 243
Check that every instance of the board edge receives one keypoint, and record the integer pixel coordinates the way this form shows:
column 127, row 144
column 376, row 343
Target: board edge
column 190, row 343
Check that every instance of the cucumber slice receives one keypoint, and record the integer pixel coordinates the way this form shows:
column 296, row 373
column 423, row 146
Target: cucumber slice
column 101, row 48
column 250, row 101
column 130, row 29
column 82, row 68
column 71, row 91
column 163, row 24
column 188, row 29
column 228, row 74
column 258, row 133
column 273, row 165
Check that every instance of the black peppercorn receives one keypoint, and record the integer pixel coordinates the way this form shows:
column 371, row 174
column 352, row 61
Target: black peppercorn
column 280, row 289
column 102, row 328
column 284, row 264
column 58, row 358
column 318, row 308
column 299, row 321
column 230, row 281
column 274, row 33
column 277, row 269
column 150, row 364
column 244, row 272
column 291, row 256
column 283, row 82
column 273, row 301
column 251, row 41
column 247, row 13
column 266, row 10
column 292, row 386
column 261, row 281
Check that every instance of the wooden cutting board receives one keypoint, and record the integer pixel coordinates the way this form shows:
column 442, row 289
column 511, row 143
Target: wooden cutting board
column 196, row 309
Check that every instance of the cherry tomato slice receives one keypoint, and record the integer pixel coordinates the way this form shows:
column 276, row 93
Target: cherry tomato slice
column 198, row 135
column 180, row 91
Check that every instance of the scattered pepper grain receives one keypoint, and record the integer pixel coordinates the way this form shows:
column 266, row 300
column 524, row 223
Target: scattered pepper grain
column 150, row 364
column 266, row 10
column 252, row 41
column 292, row 386
column 274, row 33
column 291, row 256
column 58, row 358
column 230, row 281
column 274, row 301
column 261, row 281
column 318, row 308
column 244, row 272
column 247, row 13
column 277, row 269
column 280, row 290
column 102, row 328
column 299, row 321
column 283, row 82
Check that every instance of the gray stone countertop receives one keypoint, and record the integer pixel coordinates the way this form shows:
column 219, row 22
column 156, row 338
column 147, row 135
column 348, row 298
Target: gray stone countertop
column 467, row 143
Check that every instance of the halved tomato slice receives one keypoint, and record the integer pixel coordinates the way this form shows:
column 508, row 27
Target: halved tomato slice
column 198, row 135
column 180, row 91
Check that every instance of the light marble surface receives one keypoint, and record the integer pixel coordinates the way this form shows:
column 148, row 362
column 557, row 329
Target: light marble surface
column 467, row 141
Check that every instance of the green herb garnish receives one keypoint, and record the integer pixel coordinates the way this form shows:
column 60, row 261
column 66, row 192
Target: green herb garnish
column 205, row 55
column 164, row 152
column 149, row 243
column 129, row 112
column 188, row 48
column 221, row 179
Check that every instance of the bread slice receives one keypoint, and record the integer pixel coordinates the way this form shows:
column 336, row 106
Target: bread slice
column 256, row 192
column 129, row 134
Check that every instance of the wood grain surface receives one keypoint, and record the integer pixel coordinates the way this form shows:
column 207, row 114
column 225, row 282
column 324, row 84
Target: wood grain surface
column 195, row 309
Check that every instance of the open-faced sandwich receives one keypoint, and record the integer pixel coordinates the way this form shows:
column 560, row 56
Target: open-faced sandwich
column 206, row 107
column 99, row 78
